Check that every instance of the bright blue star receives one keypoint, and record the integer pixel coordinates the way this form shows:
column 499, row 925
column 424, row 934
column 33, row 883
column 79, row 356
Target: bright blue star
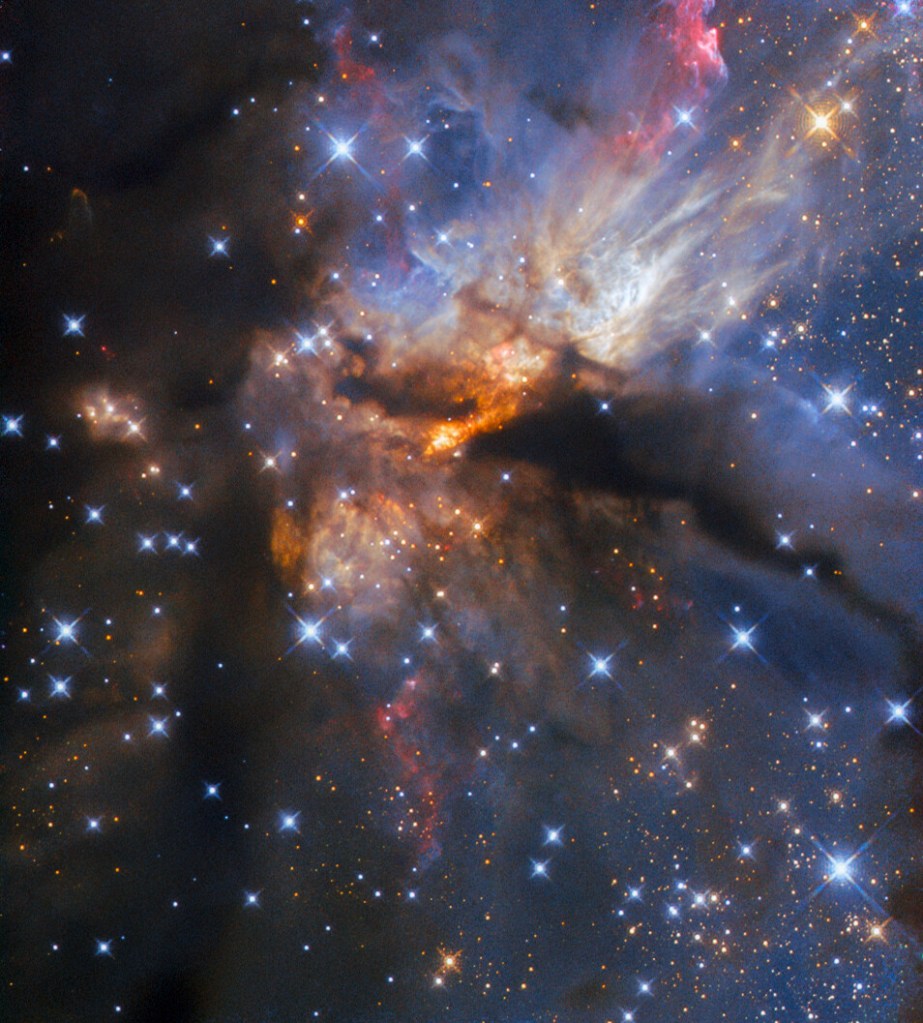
column 288, row 821
column 840, row 869
column 219, row 246
column 304, row 343
column 60, row 686
column 308, row 630
column 343, row 149
column 600, row 665
column 836, row 399
column 12, row 426
column 553, row 836
column 742, row 638
column 899, row 712
column 67, row 631
column 73, row 326
column 341, row 649
column 815, row 719
column 683, row 117
column 414, row 148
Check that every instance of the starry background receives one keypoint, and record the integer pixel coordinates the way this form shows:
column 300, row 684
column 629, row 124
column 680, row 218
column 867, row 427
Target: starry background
column 461, row 491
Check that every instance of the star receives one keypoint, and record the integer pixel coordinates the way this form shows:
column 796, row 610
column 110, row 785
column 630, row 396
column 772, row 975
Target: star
column 73, row 326
column 308, row 631
column 683, row 117
column 341, row 649
column 899, row 711
column 288, row 821
column 60, row 687
column 742, row 639
column 599, row 665
column 840, row 869
column 12, row 426
column 836, row 398
column 415, row 148
column 67, row 631
column 342, row 149
column 552, row 836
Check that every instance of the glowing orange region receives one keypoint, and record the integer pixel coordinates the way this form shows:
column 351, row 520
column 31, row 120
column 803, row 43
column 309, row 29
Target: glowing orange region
column 496, row 390
column 287, row 541
column 449, row 435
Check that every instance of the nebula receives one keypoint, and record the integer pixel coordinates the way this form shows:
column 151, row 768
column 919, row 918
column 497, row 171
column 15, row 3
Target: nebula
column 462, row 475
